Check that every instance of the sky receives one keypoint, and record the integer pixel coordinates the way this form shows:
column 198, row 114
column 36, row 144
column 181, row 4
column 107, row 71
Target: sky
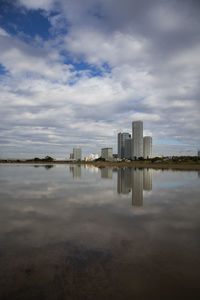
column 74, row 73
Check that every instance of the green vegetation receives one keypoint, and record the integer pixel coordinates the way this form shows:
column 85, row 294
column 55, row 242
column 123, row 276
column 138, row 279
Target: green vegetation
column 46, row 159
column 176, row 159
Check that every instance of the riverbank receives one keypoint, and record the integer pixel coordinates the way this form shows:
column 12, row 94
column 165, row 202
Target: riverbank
column 102, row 164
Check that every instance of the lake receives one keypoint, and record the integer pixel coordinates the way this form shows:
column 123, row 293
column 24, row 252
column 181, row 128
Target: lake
column 82, row 232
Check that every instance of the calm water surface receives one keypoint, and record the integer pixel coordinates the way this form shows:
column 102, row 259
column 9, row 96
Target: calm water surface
column 72, row 232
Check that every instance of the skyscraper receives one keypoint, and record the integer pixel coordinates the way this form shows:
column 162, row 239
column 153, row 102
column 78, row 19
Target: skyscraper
column 77, row 153
column 137, row 139
column 122, row 137
column 128, row 148
column 107, row 153
column 147, row 147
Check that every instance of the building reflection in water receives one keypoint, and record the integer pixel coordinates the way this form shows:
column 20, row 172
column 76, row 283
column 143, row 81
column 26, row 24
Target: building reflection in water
column 199, row 174
column 135, row 180
column 137, row 187
column 147, row 179
column 106, row 172
column 76, row 171
column 124, row 181
column 91, row 169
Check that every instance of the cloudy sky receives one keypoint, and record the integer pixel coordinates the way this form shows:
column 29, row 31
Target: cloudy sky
column 74, row 73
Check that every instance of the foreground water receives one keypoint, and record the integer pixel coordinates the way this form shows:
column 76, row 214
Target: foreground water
column 72, row 232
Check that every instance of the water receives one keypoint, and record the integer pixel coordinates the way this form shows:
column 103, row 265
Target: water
column 72, row 232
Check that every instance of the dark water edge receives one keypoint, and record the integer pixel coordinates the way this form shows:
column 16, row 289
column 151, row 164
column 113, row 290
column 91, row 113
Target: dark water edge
column 74, row 234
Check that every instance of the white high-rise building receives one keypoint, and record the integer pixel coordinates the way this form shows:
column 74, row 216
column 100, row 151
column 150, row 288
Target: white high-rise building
column 107, row 153
column 122, row 137
column 137, row 139
column 77, row 153
column 147, row 147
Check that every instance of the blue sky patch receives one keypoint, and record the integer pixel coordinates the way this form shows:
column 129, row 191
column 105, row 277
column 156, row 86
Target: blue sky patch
column 2, row 70
column 93, row 70
column 29, row 22
column 170, row 142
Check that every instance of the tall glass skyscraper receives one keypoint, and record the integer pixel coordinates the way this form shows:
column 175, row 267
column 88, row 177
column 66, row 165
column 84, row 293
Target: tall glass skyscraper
column 137, row 139
column 147, row 147
column 122, row 138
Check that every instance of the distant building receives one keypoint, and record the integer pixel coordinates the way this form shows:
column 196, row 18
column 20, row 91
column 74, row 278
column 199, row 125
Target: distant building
column 122, row 137
column 198, row 153
column 93, row 156
column 137, row 139
column 128, row 148
column 71, row 156
column 147, row 147
column 107, row 153
column 77, row 153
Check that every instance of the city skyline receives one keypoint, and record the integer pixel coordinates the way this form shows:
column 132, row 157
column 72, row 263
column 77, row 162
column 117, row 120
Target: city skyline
column 74, row 75
column 135, row 146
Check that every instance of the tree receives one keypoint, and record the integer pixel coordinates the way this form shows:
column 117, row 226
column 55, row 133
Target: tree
column 48, row 158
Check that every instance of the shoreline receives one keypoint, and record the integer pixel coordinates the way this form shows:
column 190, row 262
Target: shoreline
column 102, row 164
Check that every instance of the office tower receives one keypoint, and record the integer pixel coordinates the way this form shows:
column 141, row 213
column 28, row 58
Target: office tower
column 107, row 153
column 147, row 147
column 137, row 139
column 122, row 137
column 77, row 153
column 128, row 148
column 147, row 179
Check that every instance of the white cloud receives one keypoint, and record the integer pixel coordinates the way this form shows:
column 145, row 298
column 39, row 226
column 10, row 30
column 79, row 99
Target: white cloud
column 152, row 75
column 3, row 32
column 37, row 4
column 20, row 58
column 98, row 47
